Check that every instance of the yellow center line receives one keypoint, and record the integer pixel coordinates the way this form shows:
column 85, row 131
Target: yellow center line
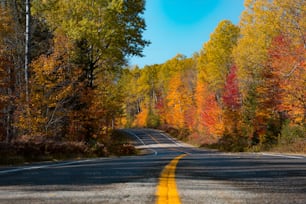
column 153, row 138
column 166, row 189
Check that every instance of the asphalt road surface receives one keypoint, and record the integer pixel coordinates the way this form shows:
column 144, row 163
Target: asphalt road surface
column 167, row 172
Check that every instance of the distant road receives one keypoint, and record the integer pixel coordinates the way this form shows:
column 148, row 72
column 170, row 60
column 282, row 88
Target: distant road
column 167, row 172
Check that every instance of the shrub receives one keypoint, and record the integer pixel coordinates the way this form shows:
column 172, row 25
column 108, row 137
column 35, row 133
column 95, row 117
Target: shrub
column 291, row 132
column 233, row 143
column 121, row 144
column 21, row 151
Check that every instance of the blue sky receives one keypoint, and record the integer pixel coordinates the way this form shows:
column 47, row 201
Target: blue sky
column 182, row 26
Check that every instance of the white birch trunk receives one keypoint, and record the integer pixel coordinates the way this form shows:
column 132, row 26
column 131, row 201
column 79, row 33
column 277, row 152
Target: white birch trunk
column 27, row 48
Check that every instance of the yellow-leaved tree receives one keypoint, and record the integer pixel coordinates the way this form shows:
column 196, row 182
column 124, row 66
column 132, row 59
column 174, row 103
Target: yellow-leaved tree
column 214, row 64
column 261, row 23
column 215, row 59
column 52, row 89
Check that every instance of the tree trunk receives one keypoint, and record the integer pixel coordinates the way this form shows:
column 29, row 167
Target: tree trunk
column 27, row 48
column 2, row 3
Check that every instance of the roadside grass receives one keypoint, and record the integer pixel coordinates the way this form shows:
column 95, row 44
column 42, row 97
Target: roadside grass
column 293, row 141
column 298, row 146
column 295, row 147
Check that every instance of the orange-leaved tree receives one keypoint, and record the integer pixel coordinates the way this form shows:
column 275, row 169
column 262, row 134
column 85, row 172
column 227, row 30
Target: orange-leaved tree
column 288, row 67
column 52, row 90
column 209, row 114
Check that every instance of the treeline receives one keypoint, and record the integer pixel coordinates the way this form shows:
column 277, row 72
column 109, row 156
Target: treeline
column 77, row 51
column 244, row 89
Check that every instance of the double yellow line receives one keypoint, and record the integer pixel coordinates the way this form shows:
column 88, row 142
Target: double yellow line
column 166, row 189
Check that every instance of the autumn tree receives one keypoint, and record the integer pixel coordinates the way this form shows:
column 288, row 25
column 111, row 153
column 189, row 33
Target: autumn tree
column 209, row 124
column 215, row 59
column 287, row 55
column 178, row 101
column 261, row 23
column 12, row 42
column 248, row 82
column 12, row 54
column 162, row 94
column 214, row 65
column 53, row 91
column 81, row 96
column 231, row 100
column 167, row 71
column 287, row 72
column 132, row 96
column 178, row 81
column 7, row 79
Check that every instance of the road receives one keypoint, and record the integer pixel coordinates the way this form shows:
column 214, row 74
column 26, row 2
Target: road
column 167, row 172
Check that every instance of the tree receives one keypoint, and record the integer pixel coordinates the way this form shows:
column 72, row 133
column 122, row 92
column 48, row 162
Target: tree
column 132, row 97
column 214, row 65
column 287, row 55
column 209, row 114
column 231, row 102
column 27, row 48
column 256, row 25
column 178, row 91
column 215, row 58
column 10, row 83
column 288, row 71
column 148, row 87
column 13, row 58
column 261, row 23
column 142, row 117
column 53, row 86
column 81, row 98
column 176, row 100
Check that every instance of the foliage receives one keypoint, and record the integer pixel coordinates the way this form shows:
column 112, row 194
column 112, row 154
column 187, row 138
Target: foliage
column 291, row 132
column 209, row 122
column 231, row 99
column 215, row 58
column 288, row 67
column 243, row 90
column 268, row 27
column 121, row 144
column 240, row 89
column 31, row 151
column 78, row 51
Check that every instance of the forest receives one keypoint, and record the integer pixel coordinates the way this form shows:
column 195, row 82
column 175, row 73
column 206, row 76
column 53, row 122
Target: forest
column 244, row 90
column 67, row 95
